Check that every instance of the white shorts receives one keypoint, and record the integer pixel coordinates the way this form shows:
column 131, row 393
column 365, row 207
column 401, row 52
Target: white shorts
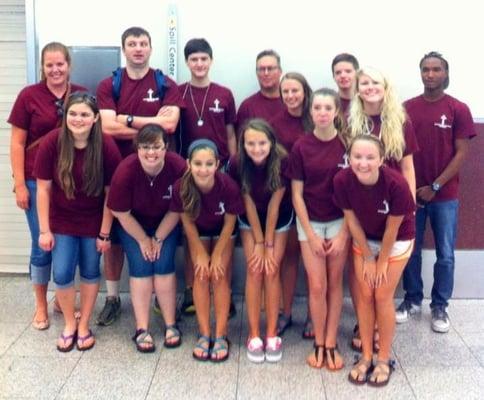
column 325, row 230
column 401, row 249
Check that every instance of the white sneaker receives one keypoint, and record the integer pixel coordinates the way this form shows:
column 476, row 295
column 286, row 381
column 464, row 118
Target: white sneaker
column 274, row 349
column 405, row 310
column 255, row 350
column 440, row 320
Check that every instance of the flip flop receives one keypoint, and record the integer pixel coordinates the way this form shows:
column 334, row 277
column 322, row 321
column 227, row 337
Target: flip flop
column 174, row 332
column 203, row 343
column 318, row 350
column 330, row 355
column 65, row 338
column 82, row 339
column 308, row 331
column 141, row 337
column 220, row 343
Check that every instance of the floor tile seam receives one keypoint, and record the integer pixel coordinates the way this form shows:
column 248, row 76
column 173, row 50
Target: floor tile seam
column 468, row 348
column 152, row 376
column 241, row 347
column 27, row 326
column 68, row 377
column 399, row 361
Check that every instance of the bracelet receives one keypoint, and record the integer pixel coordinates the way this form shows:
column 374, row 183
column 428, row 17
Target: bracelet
column 157, row 240
column 269, row 245
column 103, row 237
column 44, row 233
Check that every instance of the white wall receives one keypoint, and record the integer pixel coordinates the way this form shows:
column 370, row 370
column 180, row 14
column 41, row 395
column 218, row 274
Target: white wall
column 389, row 35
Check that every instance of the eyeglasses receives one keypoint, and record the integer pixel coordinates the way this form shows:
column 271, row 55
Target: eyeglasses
column 154, row 147
column 270, row 69
column 60, row 107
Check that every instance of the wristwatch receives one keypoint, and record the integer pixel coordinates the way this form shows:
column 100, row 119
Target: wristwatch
column 129, row 121
column 435, row 187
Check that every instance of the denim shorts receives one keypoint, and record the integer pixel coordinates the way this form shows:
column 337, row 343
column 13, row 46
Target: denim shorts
column 70, row 251
column 138, row 266
column 284, row 221
column 325, row 230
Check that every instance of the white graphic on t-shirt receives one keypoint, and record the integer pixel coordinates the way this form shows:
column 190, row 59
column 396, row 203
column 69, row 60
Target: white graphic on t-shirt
column 442, row 123
column 221, row 207
column 386, row 208
column 150, row 98
column 345, row 163
column 216, row 109
column 169, row 192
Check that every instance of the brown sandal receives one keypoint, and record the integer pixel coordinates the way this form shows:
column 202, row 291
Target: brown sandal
column 330, row 355
column 362, row 368
column 382, row 369
column 356, row 340
column 316, row 358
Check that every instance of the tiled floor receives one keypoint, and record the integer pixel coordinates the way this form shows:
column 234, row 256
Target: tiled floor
column 429, row 365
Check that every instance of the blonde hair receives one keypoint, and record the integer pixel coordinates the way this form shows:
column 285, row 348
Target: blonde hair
column 392, row 116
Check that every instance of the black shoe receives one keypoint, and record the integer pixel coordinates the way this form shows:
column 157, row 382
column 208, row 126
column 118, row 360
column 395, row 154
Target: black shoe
column 188, row 307
column 110, row 312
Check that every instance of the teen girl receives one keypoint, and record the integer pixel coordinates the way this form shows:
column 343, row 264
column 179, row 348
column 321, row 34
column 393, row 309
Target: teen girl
column 264, row 228
column 378, row 207
column 74, row 166
column 322, row 232
column 208, row 202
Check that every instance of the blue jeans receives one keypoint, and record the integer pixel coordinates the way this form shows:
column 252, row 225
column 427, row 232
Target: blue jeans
column 443, row 221
column 40, row 260
column 70, row 251
column 138, row 266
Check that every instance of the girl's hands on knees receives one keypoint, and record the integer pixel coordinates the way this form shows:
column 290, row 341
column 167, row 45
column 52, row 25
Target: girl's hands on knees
column 381, row 272
column 146, row 248
column 217, row 270
column 201, row 266
column 369, row 271
column 317, row 246
column 270, row 265
column 46, row 241
column 156, row 245
column 256, row 260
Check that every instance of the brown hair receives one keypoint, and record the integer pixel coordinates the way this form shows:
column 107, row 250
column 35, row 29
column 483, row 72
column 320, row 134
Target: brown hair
column 306, row 118
column 93, row 172
column 51, row 47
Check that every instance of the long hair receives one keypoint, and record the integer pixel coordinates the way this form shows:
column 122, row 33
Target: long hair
column 306, row 118
column 93, row 171
column 392, row 116
column 339, row 121
column 273, row 165
column 51, row 47
column 189, row 192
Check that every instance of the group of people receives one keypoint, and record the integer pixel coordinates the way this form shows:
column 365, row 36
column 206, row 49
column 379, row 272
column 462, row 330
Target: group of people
column 338, row 178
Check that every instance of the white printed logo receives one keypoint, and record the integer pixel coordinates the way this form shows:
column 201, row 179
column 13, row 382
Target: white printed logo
column 150, row 98
column 442, row 123
column 169, row 192
column 345, row 163
column 221, row 209
column 216, row 109
column 386, row 208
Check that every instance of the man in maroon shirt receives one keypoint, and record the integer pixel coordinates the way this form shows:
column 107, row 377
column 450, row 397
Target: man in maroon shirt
column 267, row 101
column 443, row 126
column 139, row 103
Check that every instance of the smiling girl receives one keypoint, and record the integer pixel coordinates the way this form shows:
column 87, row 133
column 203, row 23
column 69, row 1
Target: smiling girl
column 208, row 202
column 74, row 166
column 378, row 207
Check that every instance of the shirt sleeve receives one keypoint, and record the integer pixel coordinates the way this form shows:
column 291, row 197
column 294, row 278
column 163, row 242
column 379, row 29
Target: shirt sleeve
column 176, row 204
column 172, row 96
column 104, row 95
column 411, row 144
column 464, row 124
column 234, row 203
column 295, row 169
column 20, row 115
column 230, row 115
column 46, row 158
column 340, row 194
column 120, row 194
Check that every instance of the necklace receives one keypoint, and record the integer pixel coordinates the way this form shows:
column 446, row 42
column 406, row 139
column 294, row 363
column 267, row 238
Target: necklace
column 199, row 114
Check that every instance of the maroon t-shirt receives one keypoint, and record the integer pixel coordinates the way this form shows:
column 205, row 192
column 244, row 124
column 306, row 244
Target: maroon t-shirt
column 81, row 216
column 35, row 111
column 411, row 145
column 437, row 126
column 223, row 198
column 345, row 105
column 287, row 128
column 315, row 162
column 258, row 106
column 371, row 204
column 148, row 199
column 217, row 112
column 258, row 191
column 137, row 97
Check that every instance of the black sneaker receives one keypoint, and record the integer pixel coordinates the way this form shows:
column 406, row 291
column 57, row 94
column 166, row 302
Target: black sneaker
column 188, row 307
column 110, row 312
